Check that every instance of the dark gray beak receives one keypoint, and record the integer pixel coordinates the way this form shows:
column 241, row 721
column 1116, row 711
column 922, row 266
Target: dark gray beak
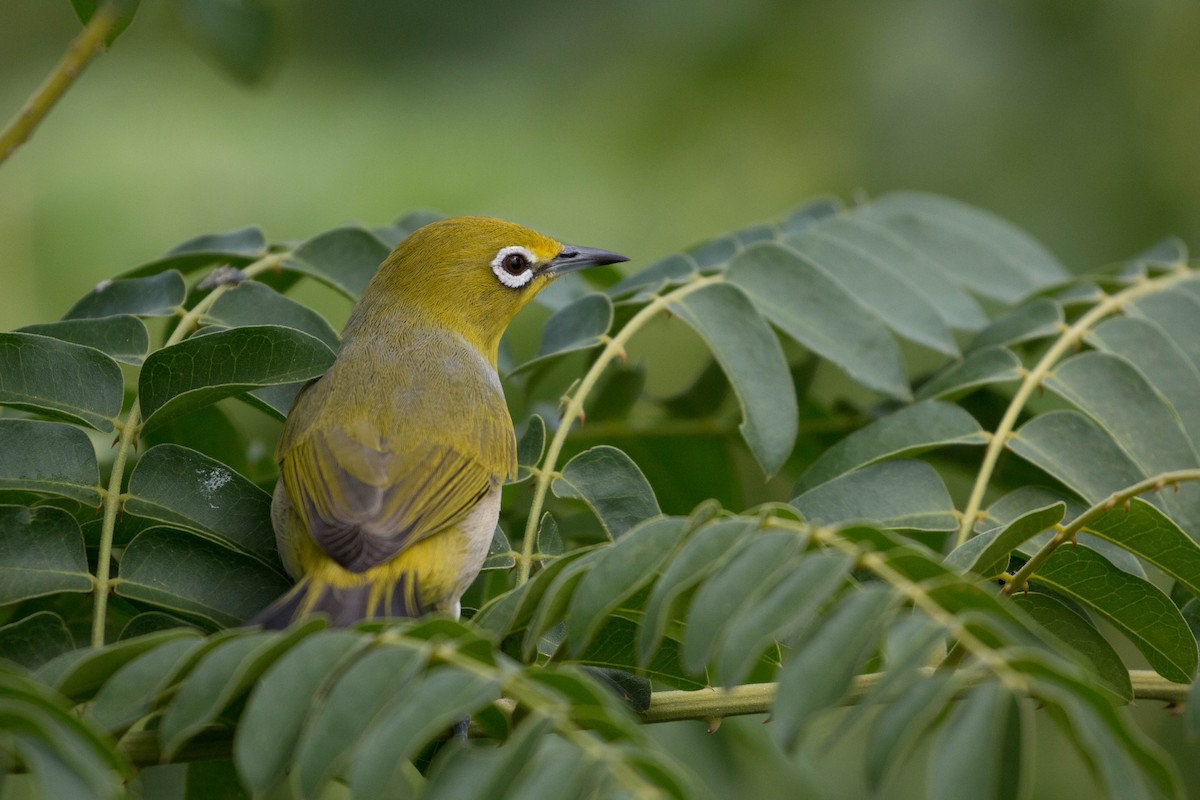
column 572, row 258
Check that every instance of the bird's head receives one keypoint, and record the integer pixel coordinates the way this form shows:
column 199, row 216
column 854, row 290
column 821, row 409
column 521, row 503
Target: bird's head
column 473, row 274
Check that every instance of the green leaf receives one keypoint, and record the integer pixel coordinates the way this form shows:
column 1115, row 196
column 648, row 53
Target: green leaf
column 908, row 432
column 211, row 432
column 753, row 361
column 577, row 326
column 974, row 248
column 893, row 494
column 733, row 589
column 254, row 303
column 987, row 553
column 817, row 675
column 874, row 283
column 222, row 676
column 65, row 758
column 152, row 622
column 123, row 337
column 1053, row 442
column 954, row 305
column 612, row 486
column 1078, row 633
column 41, row 552
column 181, row 487
column 617, row 573
column 779, row 613
column 1145, row 345
column 239, row 37
column 902, row 723
column 60, row 380
column 272, row 722
column 204, row 369
column 34, row 640
column 133, row 689
column 530, row 447
column 236, row 247
column 1038, row 319
column 80, row 673
column 500, row 553
column 612, row 650
column 980, row 368
column 1114, row 393
column 124, row 9
column 549, row 540
column 706, row 551
column 1176, row 312
column 653, row 279
column 816, row 311
column 970, row 758
column 1133, row 606
column 1117, row 753
column 160, row 295
column 351, row 705
column 436, row 703
column 343, row 258
column 1146, row 532
column 185, row 573
column 49, row 458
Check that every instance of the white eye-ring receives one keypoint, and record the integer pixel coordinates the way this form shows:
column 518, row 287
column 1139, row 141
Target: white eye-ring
column 513, row 265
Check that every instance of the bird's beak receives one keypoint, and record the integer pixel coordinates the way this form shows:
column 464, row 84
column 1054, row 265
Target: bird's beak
column 572, row 258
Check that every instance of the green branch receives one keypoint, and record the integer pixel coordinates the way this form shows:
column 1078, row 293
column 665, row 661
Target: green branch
column 1070, row 338
column 1068, row 532
column 130, row 428
column 614, row 348
column 88, row 45
column 707, row 705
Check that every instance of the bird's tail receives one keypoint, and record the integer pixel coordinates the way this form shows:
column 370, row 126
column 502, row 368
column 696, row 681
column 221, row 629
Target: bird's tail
column 343, row 605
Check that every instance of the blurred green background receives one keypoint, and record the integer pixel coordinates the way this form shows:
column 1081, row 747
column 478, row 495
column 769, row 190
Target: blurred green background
column 637, row 126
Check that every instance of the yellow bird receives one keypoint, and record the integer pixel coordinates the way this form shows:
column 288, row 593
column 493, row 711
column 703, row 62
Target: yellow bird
column 390, row 464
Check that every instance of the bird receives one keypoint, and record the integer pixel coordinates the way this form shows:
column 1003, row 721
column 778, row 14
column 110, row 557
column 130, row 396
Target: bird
column 391, row 463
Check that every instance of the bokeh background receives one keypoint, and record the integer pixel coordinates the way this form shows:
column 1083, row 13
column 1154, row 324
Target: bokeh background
column 640, row 126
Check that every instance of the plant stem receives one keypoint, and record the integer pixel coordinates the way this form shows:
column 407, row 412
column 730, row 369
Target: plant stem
column 1033, row 379
column 143, row 747
column 130, row 428
column 1068, row 533
column 82, row 50
column 615, row 348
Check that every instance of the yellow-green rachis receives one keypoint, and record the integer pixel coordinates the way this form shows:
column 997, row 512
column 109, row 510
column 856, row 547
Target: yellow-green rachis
column 391, row 463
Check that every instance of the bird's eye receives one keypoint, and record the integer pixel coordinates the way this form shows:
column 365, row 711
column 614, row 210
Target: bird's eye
column 513, row 266
column 515, row 263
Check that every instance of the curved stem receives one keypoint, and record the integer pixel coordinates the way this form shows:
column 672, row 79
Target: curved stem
column 86, row 46
column 130, row 428
column 615, row 348
column 1067, row 534
column 1033, row 379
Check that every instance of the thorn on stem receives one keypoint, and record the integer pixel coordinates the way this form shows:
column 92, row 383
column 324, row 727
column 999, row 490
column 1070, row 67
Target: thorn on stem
column 222, row 275
column 713, row 725
column 1128, row 505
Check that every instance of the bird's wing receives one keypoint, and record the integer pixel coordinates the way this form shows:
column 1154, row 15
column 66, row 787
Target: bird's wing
column 364, row 502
